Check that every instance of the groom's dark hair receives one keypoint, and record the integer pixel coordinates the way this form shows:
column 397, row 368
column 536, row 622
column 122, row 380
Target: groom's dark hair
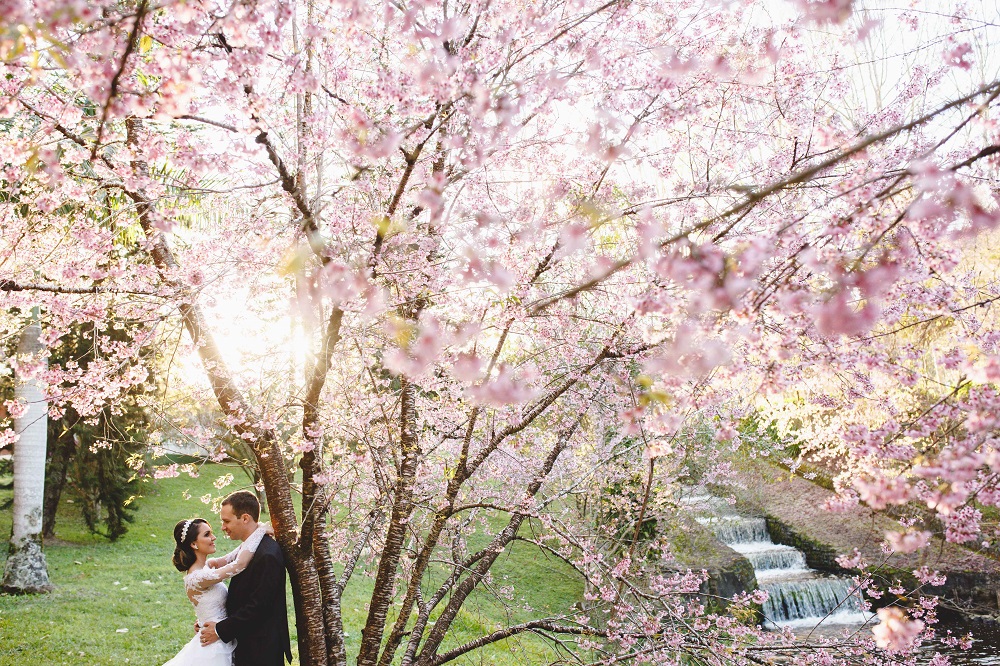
column 243, row 501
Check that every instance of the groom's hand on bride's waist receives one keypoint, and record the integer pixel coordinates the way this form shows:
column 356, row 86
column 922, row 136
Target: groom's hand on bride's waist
column 208, row 635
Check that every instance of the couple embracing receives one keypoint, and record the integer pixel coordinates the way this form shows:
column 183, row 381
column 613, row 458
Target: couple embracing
column 246, row 625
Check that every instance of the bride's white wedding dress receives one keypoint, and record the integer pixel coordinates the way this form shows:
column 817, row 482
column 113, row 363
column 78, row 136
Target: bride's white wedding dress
column 208, row 594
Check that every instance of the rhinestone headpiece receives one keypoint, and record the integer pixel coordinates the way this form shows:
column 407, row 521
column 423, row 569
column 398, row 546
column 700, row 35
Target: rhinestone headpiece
column 184, row 530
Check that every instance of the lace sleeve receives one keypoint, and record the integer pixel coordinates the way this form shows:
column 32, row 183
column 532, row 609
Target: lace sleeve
column 253, row 541
column 207, row 577
column 230, row 556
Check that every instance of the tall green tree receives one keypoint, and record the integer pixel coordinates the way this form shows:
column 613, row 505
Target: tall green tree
column 92, row 457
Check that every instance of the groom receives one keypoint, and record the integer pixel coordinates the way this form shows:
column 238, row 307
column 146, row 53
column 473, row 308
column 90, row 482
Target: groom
column 257, row 619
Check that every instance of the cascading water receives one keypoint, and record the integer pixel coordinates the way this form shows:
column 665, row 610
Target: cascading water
column 797, row 595
column 737, row 529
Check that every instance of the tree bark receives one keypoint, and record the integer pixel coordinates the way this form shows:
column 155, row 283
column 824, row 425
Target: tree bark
column 371, row 635
column 427, row 550
column 26, row 571
column 62, row 451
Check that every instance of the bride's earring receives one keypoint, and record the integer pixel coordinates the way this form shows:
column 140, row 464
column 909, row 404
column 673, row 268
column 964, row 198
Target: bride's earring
column 195, row 546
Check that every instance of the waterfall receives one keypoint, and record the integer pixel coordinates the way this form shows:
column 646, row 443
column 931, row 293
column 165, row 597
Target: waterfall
column 737, row 529
column 774, row 558
column 797, row 595
column 805, row 602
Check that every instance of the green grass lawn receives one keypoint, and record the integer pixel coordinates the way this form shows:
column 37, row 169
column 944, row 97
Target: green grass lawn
column 124, row 603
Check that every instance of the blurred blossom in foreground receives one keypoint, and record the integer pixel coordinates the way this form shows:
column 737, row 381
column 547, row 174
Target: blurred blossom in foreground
column 895, row 631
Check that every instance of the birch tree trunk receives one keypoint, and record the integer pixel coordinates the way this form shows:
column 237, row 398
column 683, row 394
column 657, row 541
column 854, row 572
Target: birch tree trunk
column 25, row 571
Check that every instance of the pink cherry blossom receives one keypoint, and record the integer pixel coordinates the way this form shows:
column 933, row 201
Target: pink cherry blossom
column 895, row 632
column 908, row 542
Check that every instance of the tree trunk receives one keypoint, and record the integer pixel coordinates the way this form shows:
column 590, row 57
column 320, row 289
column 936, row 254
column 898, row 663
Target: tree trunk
column 402, row 508
column 62, row 451
column 26, row 572
column 301, row 567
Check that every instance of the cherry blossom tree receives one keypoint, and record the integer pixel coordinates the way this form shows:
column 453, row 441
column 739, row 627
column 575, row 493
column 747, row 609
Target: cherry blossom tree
column 509, row 249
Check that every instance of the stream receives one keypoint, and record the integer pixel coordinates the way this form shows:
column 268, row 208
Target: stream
column 816, row 604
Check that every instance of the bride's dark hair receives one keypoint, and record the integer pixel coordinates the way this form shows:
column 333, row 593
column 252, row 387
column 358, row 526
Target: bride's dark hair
column 184, row 555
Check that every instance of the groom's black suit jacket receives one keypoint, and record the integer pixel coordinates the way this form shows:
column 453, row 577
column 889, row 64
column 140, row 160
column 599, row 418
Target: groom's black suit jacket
column 257, row 618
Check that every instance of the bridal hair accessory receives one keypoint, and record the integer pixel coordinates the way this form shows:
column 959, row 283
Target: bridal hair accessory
column 184, row 530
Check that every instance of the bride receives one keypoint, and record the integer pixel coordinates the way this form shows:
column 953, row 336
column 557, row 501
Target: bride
column 194, row 542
